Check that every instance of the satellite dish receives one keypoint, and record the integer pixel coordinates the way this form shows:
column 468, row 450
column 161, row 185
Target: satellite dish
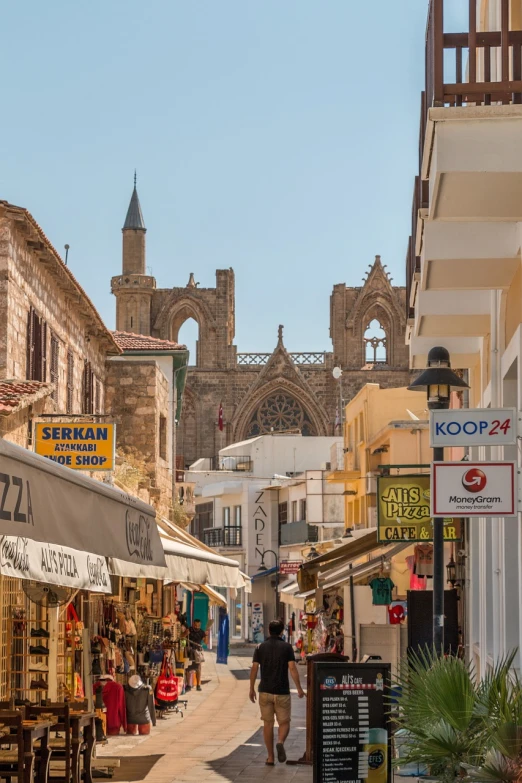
column 337, row 372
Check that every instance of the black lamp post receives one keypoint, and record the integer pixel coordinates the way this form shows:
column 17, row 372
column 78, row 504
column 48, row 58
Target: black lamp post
column 263, row 567
column 439, row 381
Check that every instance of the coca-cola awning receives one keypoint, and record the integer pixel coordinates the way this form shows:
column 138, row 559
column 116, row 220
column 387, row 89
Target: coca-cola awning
column 53, row 564
column 46, row 502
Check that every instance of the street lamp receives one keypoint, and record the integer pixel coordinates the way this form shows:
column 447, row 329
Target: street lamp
column 263, row 567
column 439, row 380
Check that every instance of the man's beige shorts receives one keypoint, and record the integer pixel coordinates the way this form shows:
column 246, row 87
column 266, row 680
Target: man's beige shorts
column 275, row 705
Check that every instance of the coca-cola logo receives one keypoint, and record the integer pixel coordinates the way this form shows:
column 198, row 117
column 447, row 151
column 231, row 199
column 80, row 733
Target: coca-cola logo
column 97, row 571
column 14, row 554
column 138, row 536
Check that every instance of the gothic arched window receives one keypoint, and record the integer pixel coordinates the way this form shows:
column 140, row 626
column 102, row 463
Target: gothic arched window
column 375, row 343
column 280, row 413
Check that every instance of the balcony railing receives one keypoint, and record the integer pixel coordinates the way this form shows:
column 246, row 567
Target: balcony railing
column 466, row 77
column 299, row 533
column 237, row 463
column 223, row 536
column 300, row 358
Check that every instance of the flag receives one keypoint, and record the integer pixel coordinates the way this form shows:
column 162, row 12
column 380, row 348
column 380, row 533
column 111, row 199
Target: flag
column 220, row 417
column 337, row 419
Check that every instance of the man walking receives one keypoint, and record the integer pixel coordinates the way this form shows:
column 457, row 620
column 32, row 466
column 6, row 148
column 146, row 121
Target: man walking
column 197, row 636
column 276, row 658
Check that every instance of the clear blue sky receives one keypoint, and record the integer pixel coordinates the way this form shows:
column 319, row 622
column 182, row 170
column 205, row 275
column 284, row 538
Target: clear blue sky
column 278, row 137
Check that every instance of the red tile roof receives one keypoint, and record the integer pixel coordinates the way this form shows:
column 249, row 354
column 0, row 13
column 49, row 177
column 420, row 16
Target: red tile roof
column 15, row 395
column 140, row 342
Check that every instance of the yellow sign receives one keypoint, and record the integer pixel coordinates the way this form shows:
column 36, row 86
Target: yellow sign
column 403, row 507
column 85, row 446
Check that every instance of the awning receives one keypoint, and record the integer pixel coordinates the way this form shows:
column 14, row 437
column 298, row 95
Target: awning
column 24, row 558
column 355, row 547
column 344, row 574
column 214, row 596
column 46, row 502
column 261, row 574
column 185, row 564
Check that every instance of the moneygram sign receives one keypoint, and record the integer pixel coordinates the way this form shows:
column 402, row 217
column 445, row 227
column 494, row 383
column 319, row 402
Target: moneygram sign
column 85, row 446
column 403, row 504
column 473, row 427
column 467, row 489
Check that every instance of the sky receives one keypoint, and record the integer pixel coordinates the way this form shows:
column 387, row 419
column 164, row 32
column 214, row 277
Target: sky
column 276, row 137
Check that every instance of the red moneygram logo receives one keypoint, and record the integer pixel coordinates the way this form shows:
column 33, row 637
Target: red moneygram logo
column 474, row 480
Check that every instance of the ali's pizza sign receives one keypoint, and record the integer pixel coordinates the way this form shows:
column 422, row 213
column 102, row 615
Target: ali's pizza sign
column 403, row 510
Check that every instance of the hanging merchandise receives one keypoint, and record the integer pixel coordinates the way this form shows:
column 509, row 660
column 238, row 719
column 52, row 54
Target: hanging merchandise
column 416, row 582
column 382, row 588
column 140, row 706
column 166, row 692
column 423, row 554
column 223, row 633
column 397, row 612
column 114, row 699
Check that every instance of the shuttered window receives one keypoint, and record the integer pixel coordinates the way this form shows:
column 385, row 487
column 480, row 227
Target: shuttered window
column 55, row 357
column 70, row 381
column 87, row 389
column 97, row 400
column 36, row 365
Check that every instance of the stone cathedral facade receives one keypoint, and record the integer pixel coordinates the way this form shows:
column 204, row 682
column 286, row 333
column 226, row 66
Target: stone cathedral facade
column 261, row 392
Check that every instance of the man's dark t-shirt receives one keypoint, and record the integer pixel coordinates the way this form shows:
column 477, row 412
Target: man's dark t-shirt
column 273, row 656
column 197, row 635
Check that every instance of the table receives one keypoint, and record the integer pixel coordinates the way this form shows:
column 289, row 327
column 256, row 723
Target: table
column 83, row 731
column 34, row 730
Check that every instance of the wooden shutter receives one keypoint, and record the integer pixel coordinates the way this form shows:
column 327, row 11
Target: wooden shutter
column 30, row 345
column 87, row 388
column 43, row 338
column 55, row 348
column 70, row 381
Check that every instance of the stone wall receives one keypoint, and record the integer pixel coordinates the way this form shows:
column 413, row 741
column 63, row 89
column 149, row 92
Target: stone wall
column 137, row 396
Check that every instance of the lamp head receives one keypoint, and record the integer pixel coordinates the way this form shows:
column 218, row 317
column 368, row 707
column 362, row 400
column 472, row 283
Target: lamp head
column 438, row 379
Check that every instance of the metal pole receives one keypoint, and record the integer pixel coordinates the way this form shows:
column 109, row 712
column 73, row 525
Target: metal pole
column 341, row 417
column 277, row 589
column 438, row 574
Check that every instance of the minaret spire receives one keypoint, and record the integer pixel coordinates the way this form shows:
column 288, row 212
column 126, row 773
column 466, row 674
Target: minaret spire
column 134, row 219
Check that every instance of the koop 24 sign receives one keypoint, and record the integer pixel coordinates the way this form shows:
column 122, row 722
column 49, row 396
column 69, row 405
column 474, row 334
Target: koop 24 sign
column 474, row 427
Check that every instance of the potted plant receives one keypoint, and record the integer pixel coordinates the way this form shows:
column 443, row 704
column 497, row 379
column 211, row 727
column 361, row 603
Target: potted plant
column 457, row 725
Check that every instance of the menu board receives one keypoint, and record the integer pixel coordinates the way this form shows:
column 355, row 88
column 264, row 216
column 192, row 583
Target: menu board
column 351, row 725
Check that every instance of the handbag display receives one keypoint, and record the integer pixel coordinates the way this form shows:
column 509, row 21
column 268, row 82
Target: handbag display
column 166, row 691
column 199, row 656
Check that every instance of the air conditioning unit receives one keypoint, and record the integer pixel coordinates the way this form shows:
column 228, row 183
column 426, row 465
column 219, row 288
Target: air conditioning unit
column 371, row 483
column 327, row 465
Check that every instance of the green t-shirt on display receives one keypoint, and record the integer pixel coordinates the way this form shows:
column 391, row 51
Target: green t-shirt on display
column 382, row 587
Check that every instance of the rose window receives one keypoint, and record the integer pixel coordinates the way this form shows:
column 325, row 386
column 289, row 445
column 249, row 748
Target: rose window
column 280, row 413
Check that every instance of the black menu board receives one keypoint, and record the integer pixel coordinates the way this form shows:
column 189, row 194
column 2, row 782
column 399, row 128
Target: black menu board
column 351, row 725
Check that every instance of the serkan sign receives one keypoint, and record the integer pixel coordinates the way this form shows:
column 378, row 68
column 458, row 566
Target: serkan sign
column 85, row 446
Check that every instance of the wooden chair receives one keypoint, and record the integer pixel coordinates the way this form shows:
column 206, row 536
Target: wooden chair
column 61, row 747
column 12, row 758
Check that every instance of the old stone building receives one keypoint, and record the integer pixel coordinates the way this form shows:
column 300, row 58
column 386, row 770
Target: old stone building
column 53, row 343
column 261, row 392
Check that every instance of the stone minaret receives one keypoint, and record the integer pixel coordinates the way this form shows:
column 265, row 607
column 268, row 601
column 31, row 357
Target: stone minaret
column 133, row 289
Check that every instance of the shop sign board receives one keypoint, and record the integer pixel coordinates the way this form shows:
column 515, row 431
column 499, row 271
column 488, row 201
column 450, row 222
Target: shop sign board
column 352, row 737
column 403, row 510
column 474, row 489
column 258, row 623
column 24, row 558
column 289, row 567
column 473, row 427
column 83, row 446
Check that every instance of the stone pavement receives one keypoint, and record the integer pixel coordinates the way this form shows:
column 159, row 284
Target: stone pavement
column 219, row 739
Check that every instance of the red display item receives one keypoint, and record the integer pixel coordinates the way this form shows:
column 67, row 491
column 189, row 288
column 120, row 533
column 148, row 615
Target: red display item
column 396, row 614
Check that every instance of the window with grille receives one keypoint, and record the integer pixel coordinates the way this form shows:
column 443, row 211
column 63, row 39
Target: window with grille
column 282, row 513
column 70, row 381
column 87, row 389
column 163, row 437
column 302, row 515
column 36, row 369
column 203, row 520
column 226, row 516
column 55, row 353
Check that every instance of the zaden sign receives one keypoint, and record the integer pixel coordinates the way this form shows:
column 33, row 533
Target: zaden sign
column 79, row 446
column 473, row 427
column 480, row 489
column 403, row 506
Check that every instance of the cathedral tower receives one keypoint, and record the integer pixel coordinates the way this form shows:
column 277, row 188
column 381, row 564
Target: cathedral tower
column 133, row 288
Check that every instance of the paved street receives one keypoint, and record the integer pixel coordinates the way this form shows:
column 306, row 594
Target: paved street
column 220, row 737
